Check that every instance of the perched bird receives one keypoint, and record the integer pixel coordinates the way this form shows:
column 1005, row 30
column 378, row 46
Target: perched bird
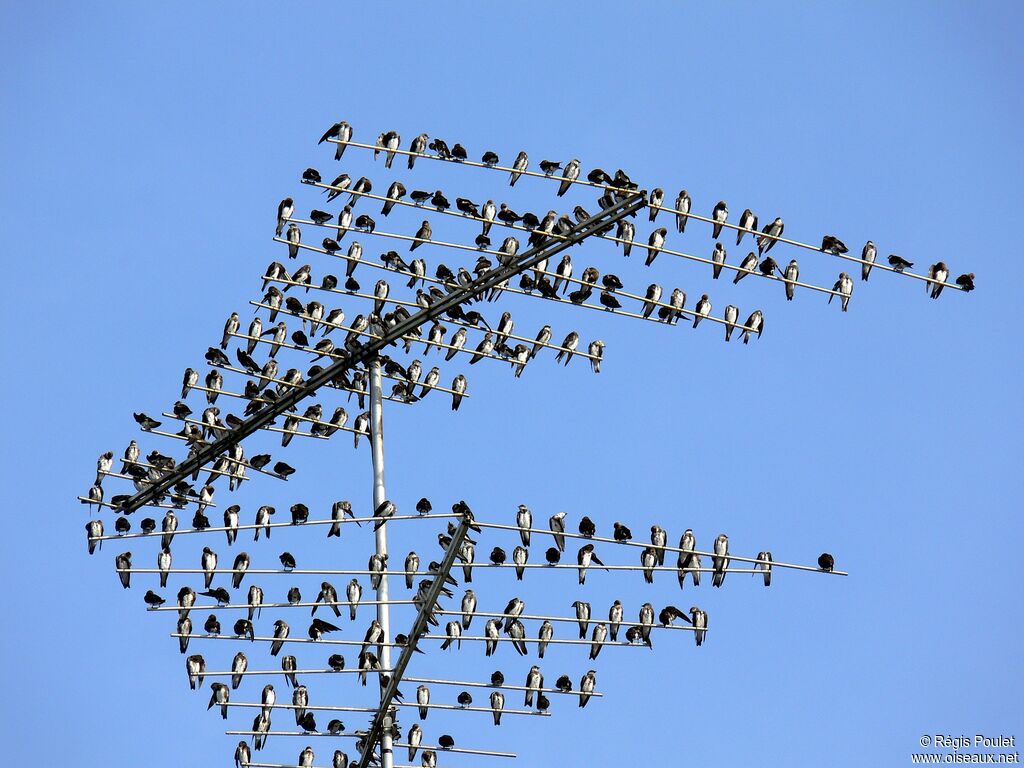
column 544, row 636
column 584, row 558
column 719, row 215
column 414, row 738
column 683, row 204
column 519, row 165
column 769, row 235
column 534, row 682
column 520, row 555
column 938, row 273
column 497, row 705
column 569, row 175
column 582, row 616
column 764, row 564
column 615, row 620
column 423, row 235
column 754, row 324
column 587, row 685
column 689, row 560
column 423, row 699
column 343, row 133
column 703, row 309
column 281, row 630
column 654, row 244
column 597, row 639
column 557, row 525
column 152, row 599
column 844, row 286
column 748, row 223
column 966, row 282
column 720, row 560
column 587, row 527
column 219, row 695
column 826, row 562
column 898, row 263
column 652, row 297
column 699, row 620
column 832, row 244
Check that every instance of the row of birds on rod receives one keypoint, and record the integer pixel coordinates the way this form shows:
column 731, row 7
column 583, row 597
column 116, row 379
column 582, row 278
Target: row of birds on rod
column 550, row 285
column 616, row 187
column 497, row 340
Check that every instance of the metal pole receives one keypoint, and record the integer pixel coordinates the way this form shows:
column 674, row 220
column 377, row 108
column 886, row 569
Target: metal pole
column 379, row 496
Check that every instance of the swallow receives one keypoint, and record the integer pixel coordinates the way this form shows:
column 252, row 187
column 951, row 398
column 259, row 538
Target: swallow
column 719, row 215
column 212, row 625
column 376, row 566
column 582, row 616
column 520, row 555
column 703, row 309
column 699, row 620
column 754, row 324
column 281, row 630
column 587, row 685
column 747, row 266
column 769, row 235
column 652, row 298
column 341, row 131
column 833, row 245
column 569, row 175
column 844, row 286
column 790, row 276
column 938, row 273
column 720, row 560
column 294, row 237
column 423, row 699
column 534, row 682
column 336, row 662
column 354, row 593
column 966, row 282
column 654, row 244
column 152, row 599
column 196, row 667
column 768, row 266
column 340, row 184
column 219, row 695
column 549, row 166
column 417, row 147
column 568, row 347
column 184, row 631
column 648, row 560
column 328, row 596
column 453, row 634
column 646, row 623
column 689, row 560
column 423, row 235
column 519, row 165
column 584, row 558
column 244, row 628
column 587, row 527
column 492, row 630
column 615, row 620
column 826, row 562
column 557, row 525
column 624, row 235
column 289, row 665
column 163, row 564
column 242, row 754
column 459, row 384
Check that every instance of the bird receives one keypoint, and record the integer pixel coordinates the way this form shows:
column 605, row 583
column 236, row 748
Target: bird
column 341, row 131
column 833, row 245
column 587, row 527
column 568, row 347
column 938, row 273
column 414, row 738
column 423, row 235
column 582, row 616
column 422, row 700
column 497, row 705
column 544, row 636
column 587, row 685
column 867, row 257
column 748, row 223
column 152, row 599
column 769, row 235
column 519, row 557
column 569, row 175
column 699, row 620
column 287, row 560
column 689, row 560
column 764, row 564
column 646, row 622
column 826, row 562
column 243, row 756
column 281, row 630
column 557, row 525
column 584, row 558
column 219, row 696
column 615, row 620
column 524, row 521
column 519, row 165
column 966, row 282
column 624, row 234
column 719, row 214
column 534, row 682
column 652, row 297
column 239, row 568
column 703, row 309
column 648, row 560
column 844, row 286
column 720, row 560
column 318, row 628
column 754, row 324
column 791, row 275
column 597, row 639
column 654, row 244
column 898, row 263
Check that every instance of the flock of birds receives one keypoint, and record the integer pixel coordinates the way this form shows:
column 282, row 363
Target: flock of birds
column 266, row 384
column 616, row 187
column 507, row 624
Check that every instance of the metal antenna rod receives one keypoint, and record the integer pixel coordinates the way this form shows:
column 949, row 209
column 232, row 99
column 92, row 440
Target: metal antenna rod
column 382, row 721
column 519, row 263
column 381, row 538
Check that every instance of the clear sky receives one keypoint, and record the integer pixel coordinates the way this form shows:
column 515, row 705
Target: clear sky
column 144, row 150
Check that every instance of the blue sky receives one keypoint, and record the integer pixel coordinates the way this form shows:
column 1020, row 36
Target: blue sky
column 145, row 147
